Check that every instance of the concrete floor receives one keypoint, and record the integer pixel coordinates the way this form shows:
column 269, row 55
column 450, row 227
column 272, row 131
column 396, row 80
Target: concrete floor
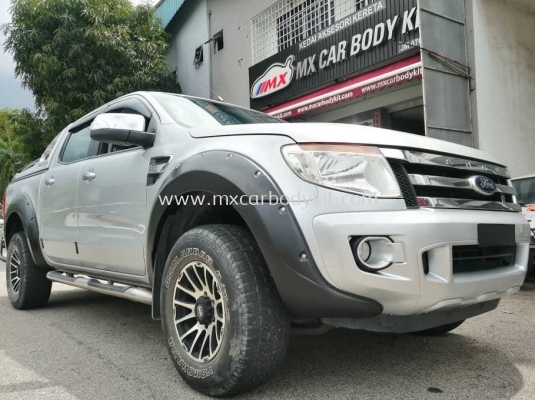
column 89, row 346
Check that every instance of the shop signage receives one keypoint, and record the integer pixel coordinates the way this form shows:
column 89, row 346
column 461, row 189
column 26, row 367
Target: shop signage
column 395, row 74
column 277, row 77
column 386, row 30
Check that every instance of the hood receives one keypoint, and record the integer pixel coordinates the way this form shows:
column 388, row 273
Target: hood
column 346, row 133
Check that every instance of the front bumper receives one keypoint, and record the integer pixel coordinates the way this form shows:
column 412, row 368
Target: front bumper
column 415, row 322
column 405, row 288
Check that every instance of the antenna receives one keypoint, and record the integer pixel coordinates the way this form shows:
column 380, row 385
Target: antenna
column 205, row 85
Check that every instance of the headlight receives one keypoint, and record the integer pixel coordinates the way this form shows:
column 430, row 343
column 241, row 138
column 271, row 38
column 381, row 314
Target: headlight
column 352, row 168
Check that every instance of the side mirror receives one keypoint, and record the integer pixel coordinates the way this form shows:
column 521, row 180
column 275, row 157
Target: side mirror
column 122, row 130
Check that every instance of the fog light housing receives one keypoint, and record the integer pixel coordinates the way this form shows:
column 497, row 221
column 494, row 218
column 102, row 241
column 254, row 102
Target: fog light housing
column 373, row 254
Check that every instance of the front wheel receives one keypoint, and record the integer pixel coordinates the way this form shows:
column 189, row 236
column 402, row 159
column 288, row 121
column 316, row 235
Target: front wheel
column 439, row 330
column 224, row 324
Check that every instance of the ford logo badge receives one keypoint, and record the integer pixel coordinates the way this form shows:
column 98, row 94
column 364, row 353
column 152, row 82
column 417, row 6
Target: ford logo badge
column 483, row 185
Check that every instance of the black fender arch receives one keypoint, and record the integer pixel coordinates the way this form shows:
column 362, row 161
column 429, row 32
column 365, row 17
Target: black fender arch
column 302, row 287
column 22, row 208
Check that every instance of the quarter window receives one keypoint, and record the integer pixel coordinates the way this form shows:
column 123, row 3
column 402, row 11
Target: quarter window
column 78, row 146
column 49, row 149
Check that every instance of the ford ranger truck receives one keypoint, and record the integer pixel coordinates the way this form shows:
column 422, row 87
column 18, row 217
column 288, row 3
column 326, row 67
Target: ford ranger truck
column 231, row 225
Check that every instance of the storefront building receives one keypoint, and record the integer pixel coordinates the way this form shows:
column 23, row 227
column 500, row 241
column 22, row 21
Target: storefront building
column 426, row 67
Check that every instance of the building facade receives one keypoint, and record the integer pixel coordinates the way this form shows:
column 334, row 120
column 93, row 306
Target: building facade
column 457, row 70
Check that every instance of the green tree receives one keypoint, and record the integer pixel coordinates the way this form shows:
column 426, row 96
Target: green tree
column 12, row 157
column 6, row 122
column 75, row 55
column 33, row 132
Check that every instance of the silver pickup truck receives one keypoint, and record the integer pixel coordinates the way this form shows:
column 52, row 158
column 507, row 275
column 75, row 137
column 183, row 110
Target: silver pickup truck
column 232, row 224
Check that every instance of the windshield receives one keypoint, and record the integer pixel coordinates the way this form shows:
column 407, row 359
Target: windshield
column 525, row 189
column 200, row 113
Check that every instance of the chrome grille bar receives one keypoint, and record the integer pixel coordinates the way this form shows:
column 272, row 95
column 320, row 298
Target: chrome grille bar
column 443, row 181
column 445, row 161
column 455, row 162
column 455, row 183
column 433, row 202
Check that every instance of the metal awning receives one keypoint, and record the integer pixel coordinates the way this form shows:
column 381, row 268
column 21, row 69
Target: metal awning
column 167, row 9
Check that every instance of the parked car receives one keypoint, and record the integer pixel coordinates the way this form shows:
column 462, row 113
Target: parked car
column 525, row 188
column 231, row 224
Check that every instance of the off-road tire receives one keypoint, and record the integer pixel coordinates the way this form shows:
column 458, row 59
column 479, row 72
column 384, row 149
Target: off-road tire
column 33, row 289
column 440, row 330
column 256, row 330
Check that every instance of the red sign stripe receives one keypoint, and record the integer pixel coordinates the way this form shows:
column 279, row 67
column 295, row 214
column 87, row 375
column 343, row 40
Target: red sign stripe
column 297, row 106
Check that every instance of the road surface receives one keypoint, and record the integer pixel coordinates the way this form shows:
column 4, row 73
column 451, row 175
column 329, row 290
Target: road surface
column 89, row 346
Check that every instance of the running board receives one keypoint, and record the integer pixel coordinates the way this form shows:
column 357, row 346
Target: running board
column 125, row 292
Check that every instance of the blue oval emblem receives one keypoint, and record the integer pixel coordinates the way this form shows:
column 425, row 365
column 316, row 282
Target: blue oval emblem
column 483, row 185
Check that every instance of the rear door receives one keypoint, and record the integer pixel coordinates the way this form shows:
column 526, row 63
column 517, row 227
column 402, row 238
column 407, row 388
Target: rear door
column 58, row 218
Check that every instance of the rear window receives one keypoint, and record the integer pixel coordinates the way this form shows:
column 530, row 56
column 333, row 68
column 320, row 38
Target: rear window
column 200, row 113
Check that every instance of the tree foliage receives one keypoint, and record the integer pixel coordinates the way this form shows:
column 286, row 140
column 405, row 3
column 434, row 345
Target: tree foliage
column 6, row 125
column 75, row 55
column 12, row 156
column 33, row 133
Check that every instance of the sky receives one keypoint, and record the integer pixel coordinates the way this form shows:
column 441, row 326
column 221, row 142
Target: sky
column 12, row 95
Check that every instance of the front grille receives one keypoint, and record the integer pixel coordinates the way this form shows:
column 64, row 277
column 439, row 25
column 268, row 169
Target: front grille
column 440, row 181
column 467, row 259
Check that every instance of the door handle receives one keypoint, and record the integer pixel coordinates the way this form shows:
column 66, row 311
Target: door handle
column 89, row 176
column 49, row 182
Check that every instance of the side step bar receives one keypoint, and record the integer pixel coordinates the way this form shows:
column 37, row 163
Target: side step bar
column 125, row 292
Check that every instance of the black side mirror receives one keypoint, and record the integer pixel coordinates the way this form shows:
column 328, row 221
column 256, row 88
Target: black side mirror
column 122, row 130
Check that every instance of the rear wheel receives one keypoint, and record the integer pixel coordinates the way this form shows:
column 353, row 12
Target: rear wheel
column 225, row 326
column 27, row 284
column 440, row 330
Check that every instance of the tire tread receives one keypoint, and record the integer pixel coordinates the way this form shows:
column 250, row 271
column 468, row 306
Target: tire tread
column 265, row 332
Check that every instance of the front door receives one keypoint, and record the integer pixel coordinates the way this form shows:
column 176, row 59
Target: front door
column 112, row 214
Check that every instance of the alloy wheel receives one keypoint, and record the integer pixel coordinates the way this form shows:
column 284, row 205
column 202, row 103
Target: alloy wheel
column 199, row 311
column 14, row 271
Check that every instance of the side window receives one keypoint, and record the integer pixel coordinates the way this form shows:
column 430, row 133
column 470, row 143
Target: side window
column 106, row 148
column 78, row 146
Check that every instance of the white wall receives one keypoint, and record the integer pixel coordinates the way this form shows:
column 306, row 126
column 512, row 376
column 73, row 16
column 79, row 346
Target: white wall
column 504, row 46
column 190, row 30
column 231, row 65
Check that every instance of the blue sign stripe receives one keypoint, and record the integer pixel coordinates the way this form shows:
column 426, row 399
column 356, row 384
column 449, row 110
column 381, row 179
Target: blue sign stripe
column 260, row 88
